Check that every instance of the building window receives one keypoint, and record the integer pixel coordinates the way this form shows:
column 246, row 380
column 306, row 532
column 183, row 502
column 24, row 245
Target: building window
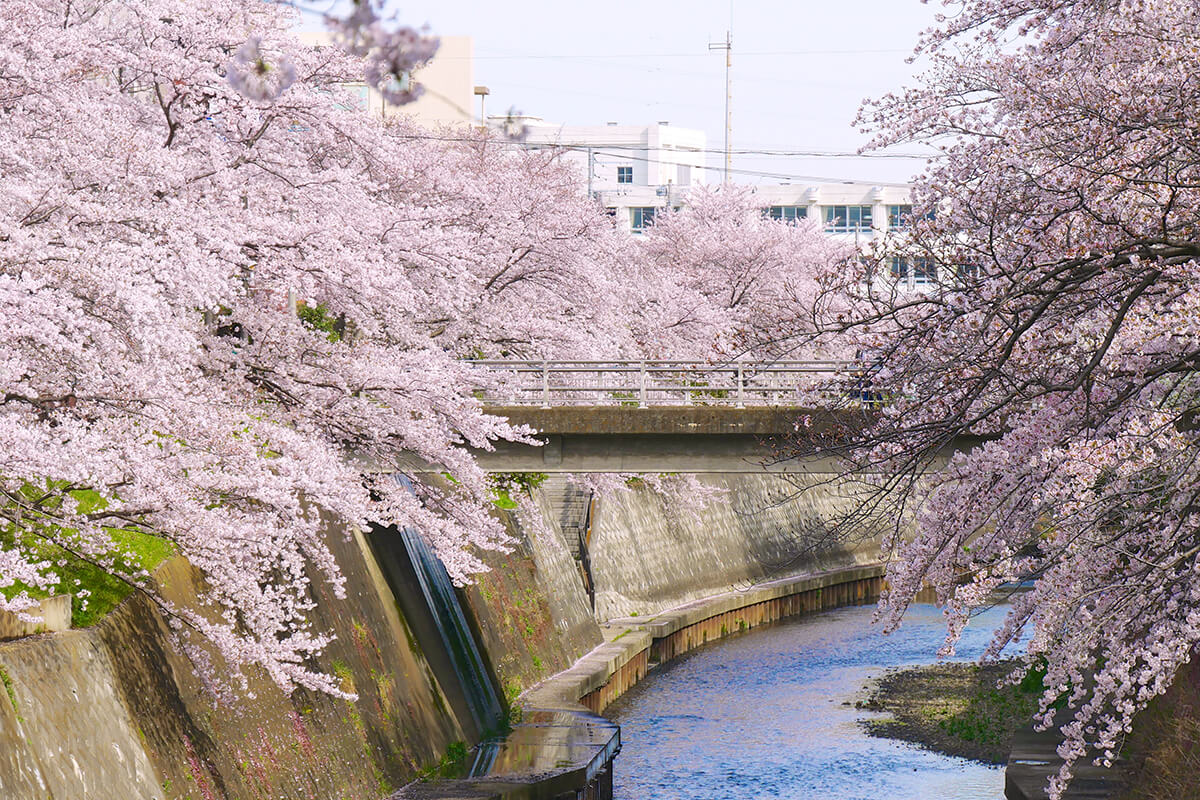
column 914, row 270
column 898, row 217
column 624, row 174
column 847, row 219
column 968, row 271
column 641, row 217
column 788, row 213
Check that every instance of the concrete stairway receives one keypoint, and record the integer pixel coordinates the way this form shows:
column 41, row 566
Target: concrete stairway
column 569, row 504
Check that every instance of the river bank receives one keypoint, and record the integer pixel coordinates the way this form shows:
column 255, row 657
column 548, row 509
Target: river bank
column 952, row 708
column 113, row 711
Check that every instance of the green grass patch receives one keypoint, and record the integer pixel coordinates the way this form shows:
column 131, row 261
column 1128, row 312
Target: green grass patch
column 95, row 591
column 451, row 764
column 8, row 687
column 506, row 484
column 320, row 319
column 955, row 708
column 513, row 710
column 989, row 714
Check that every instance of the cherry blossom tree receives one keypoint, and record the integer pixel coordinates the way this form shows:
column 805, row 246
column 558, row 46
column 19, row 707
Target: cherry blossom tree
column 177, row 174
column 237, row 306
column 730, row 279
column 525, row 266
column 390, row 51
column 1062, row 342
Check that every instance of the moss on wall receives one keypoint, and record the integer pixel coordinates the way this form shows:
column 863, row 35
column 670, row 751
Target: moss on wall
column 530, row 609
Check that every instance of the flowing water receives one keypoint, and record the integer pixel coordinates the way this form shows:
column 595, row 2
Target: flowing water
column 762, row 715
column 431, row 607
column 456, row 635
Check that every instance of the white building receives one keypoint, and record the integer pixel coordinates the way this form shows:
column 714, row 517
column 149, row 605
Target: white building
column 638, row 171
column 853, row 210
column 630, row 169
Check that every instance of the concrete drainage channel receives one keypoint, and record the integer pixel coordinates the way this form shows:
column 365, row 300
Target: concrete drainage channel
column 563, row 750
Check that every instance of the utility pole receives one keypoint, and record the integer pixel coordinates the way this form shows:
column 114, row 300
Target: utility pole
column 727, row 46
column 590, row 169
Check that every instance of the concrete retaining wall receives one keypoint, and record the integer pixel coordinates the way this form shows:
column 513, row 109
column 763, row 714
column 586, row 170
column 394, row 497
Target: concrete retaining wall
column 647, row 556
column 114, row 712
column 54, row 613
column 672, row 633
column 563, row 750
column 531, row 611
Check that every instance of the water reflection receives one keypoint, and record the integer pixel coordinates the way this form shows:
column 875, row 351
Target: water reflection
column 762, row 716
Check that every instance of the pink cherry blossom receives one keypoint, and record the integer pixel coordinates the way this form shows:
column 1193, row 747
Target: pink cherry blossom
column 1059, row 350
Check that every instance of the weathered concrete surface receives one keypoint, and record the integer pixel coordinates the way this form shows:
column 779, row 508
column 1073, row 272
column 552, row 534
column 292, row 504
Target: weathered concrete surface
column 1034, row 760
column 115, row 712
column 55, row 614
column 690, row 420
column 562, row 745
column 69, row 731
column 667, row 623
column 533, row 616
column 654, row 439
column 698, row 439
column 648, row 556
column 660, row 452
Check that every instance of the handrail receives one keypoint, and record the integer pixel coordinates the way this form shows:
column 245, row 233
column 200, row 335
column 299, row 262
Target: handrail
column 648, row 382
column 585, row 556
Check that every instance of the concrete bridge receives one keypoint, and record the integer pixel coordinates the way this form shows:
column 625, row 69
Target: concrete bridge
column 671, row 416
column 658, row 439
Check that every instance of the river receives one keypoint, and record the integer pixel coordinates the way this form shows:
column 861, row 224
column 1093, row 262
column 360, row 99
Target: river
column 762, row 715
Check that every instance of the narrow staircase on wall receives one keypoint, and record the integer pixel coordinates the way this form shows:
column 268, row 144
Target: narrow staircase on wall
column 572, row 507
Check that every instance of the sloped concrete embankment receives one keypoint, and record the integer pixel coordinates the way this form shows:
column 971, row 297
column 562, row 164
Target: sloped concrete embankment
column 115, row 712
column 647, row 556
column 563, row 750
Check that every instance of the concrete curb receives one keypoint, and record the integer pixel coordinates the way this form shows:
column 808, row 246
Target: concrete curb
column 54, row 611
column 675, row 619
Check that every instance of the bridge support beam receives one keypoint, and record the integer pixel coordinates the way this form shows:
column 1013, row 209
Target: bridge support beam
column 648, row 453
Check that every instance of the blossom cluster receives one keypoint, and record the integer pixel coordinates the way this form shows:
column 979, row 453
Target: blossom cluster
column 171, row 197
column 1060, row 362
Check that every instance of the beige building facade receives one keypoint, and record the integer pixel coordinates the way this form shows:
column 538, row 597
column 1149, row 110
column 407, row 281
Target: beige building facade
column 448, row 80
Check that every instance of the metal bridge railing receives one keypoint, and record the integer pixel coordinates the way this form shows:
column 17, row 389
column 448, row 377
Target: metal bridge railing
column 649, row 383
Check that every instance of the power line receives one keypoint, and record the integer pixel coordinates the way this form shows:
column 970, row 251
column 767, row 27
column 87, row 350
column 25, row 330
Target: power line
column 749, row 151
column 758, row 151
column 747, row 172
column 609, row 56
column 626, row 154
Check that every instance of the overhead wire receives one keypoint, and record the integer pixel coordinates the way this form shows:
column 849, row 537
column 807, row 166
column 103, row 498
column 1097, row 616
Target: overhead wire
column 763, row 151
column 609, row 56
column 603, row 151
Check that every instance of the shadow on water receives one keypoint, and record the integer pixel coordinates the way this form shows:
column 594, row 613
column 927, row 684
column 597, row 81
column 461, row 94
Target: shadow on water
column 431, row 608
column 764, row 715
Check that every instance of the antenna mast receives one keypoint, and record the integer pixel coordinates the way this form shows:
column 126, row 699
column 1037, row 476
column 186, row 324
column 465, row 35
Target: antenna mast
column 727, row 46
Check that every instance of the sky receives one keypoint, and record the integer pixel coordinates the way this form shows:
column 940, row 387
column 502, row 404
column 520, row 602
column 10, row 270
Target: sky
column 800, row 70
